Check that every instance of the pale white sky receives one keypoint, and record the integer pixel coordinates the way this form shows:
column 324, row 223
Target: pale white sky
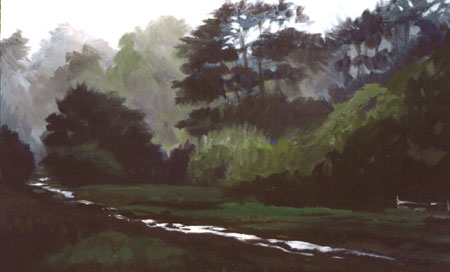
column 110, row 19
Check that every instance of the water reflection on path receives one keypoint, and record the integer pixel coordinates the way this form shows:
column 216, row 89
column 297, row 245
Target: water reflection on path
column 294, row 247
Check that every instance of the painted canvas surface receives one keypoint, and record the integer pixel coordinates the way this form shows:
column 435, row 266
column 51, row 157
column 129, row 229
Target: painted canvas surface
column 225, row 135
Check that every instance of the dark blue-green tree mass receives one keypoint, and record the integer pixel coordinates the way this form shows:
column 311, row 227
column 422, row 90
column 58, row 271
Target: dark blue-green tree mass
column 16, row 159
column 97, row 132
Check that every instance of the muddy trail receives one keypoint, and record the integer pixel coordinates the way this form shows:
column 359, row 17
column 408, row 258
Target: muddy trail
column 39, row 220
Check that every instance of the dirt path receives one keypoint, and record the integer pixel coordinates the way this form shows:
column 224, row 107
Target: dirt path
column 58, row 219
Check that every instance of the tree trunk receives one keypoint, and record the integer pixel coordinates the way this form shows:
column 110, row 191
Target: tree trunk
column 262, row 87
column 236, row 92
column 407, row 29
column 358, row 50
column 244, row 50
column 243, row 47
column 396, row 39
column 375, row 63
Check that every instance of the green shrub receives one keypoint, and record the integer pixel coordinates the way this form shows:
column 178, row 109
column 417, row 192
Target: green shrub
column 118, row 252
column 239, row 153
column 83, row 164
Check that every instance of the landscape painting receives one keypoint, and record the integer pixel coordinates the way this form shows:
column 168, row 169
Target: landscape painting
column 224, row 135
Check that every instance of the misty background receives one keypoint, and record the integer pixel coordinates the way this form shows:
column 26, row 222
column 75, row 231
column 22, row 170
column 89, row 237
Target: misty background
column 38, row 66
column 107, row 45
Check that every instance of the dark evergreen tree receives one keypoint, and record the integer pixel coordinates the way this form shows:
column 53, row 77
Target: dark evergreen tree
column 384, row 41
column 176, row 167
column 232, row 55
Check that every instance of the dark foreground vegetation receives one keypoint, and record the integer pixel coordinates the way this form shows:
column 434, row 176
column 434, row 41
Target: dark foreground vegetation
column 16, row 159
column 257, row 135
column 42, row 233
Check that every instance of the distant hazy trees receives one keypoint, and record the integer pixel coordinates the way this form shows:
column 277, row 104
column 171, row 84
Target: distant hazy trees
column 14, row 97
column 143, row 71
column 30, row 84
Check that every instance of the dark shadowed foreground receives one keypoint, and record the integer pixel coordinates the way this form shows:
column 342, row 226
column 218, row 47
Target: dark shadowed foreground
column 54, row 231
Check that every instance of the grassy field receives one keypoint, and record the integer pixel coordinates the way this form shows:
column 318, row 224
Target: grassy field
column 404, row 234
column 160, row 194
column 39, row 232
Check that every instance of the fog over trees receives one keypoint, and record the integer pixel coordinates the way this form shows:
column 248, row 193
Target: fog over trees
column 31, row 84
column 246, row 98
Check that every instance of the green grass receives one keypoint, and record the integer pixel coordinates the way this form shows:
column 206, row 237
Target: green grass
column 257, row 210
column 145, row 208
column 161, row 194
column 379, row 232
column 293, row 222
column 118, row 250
column 179, row 201
column 301, row 223
column 231, row 213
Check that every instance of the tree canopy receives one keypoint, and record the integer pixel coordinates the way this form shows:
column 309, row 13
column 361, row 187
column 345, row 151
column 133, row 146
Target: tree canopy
column 232, row 56
column 88, row 119
column 378, row 43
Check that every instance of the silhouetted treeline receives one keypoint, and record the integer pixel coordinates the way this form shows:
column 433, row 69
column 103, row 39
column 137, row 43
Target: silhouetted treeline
column 16, row 159
column 95, row 138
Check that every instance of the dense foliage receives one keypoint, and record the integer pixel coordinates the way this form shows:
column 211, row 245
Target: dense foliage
column 97, row 133
column 273, row 115
column 385, row 40
column 404, row 151
column 237, row 62
column 249, row 103
column 16, row 159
